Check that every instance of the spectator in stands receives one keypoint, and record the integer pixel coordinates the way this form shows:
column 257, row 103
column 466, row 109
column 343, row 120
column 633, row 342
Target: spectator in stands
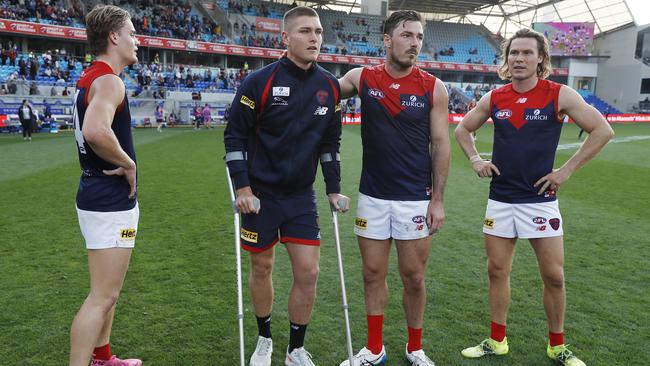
column 4, row 54
column 27, row 119
column 3, row 89
column 12, row 55
column 65, row 92
column 53, row 92
column 22, row 68
column 33, row 89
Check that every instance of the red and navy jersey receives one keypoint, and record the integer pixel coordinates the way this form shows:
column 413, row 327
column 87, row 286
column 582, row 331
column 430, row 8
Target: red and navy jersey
column 526, row 134
column 99, row 192
column 282, row 120
column 395, row 132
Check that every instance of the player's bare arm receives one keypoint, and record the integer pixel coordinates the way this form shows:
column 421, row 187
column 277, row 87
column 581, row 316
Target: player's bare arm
column 105, row 96
column 350, row 83
column 590, row 120
column 440, row 155
column 472, row 121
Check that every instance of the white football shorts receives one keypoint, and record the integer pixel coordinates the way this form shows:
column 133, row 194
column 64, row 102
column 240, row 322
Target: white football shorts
column 523, row 220
column 383, row 219
column 103, row 230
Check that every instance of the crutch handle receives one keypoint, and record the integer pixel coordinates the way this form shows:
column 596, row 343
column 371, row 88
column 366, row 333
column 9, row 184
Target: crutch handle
column 256, row 205
column 343, row 204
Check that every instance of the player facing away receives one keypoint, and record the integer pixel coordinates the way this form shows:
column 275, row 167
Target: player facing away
column 107, row 206
column 405, row 165
column 284, row 118
column 527, row 116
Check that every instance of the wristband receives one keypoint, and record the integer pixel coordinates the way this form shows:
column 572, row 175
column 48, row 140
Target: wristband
column 475, row 159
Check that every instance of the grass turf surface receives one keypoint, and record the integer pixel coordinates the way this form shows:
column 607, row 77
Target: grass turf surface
column 178, row 306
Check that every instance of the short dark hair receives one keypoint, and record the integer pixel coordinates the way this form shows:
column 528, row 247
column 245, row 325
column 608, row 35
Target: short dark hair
column 298, row 11
column 100, row 22
column 400, row 16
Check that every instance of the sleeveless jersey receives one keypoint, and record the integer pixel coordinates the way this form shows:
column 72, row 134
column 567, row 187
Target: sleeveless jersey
column 395, row 132
column 99, row 192
column 526, row 134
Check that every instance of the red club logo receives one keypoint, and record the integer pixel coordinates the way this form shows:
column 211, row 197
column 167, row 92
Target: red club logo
column 322, row 95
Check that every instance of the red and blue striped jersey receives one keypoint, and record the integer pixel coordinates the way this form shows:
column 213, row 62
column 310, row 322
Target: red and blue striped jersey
column 526, row 134
column 395, row 132
column 99, row 192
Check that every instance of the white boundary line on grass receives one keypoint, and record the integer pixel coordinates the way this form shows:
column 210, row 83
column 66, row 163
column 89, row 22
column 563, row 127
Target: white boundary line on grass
column 575, row 145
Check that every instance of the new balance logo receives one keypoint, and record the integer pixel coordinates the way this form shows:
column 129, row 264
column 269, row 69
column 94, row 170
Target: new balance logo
column 394, row 86
column 521, row 100
column 320, row 111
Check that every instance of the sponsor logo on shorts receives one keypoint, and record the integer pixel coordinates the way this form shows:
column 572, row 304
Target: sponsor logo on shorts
column 247, row 101
column 541, row 228
column 488, row 223
column 555, row 223
column 249, row 236
column 539, row 220
column 127, row 234
column 361, row 223
column 418, row 219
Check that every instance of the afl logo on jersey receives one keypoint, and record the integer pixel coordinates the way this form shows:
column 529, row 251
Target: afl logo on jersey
column 376, row 93
column 503, row 114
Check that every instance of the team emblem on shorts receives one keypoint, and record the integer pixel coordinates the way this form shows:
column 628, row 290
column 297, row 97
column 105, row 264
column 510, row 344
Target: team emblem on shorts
column 127, row 234
column 489, row 223
column 418, row 219
column 249, row 236
column 539, row 220
column 555, row 223
column 361, row 223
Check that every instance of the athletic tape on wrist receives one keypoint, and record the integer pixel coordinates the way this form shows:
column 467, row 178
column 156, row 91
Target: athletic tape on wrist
column 475, row 159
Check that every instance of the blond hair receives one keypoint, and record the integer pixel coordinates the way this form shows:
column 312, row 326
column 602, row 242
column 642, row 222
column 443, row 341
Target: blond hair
column 100, row 22
column 543, row 68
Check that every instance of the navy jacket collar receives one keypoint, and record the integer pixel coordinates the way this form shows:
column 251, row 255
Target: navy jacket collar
column 294, row 69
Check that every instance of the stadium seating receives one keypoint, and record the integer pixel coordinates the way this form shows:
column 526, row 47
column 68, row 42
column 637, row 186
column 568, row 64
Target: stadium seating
column 598, row 103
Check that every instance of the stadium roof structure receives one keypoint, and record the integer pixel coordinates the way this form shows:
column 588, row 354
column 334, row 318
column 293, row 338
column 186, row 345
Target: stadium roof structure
column 505, row 17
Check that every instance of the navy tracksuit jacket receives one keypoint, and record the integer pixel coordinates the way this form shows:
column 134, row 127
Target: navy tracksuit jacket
column 282, row 121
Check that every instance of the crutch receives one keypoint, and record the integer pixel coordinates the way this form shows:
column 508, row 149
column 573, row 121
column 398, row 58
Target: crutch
column 343, row 203
column 240, row 301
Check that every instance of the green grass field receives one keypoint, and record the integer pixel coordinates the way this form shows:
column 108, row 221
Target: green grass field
column 178, row 306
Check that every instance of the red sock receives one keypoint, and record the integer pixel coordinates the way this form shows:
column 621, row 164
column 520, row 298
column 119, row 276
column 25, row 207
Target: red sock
column 375, row 330
column 415, row 340
column 555, row 339
column 497, row 331
column 103, row 352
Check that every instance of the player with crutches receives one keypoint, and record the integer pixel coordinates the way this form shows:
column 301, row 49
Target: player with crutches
column 285, row 118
